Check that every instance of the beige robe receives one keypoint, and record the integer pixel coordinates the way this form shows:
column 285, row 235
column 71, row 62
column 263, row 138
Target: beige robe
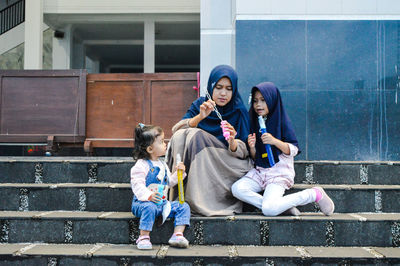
column 211, row 167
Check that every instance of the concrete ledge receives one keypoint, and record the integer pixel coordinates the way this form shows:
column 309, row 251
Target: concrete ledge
column 310, row 229
column 117, row 197
column 222, row 255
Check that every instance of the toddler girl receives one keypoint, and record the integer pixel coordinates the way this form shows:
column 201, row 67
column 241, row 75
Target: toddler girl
column 274, row 179
column 149, row 177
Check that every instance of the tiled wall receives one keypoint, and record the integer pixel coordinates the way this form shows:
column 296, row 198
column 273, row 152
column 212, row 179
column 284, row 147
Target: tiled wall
column 338, row 80
column 14, row 58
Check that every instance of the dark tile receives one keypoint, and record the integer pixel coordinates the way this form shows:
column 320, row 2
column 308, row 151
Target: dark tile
column 24, row 231
column 65, row 172
column 53, row 199
column 336, row 174
column 270, row 51
column 390, row 200
column 355, row 233
column 9, row 198
column 242, row 232
column 295, row 106
column 114, row 172
column 304, row 233
column 331, row 65
column 17, row 172
column 341, row 125
column 384, row 174
column 351, row 101
column 108, row 199
column 100, row 231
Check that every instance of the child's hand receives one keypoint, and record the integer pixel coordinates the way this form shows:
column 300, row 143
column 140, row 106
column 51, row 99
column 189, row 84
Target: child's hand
column 251, row 140
column 268, row 139
column 155, row 197
column 181, row 166
column 206, row 108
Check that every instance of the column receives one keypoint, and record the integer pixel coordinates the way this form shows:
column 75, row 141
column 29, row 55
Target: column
column 149, row 47
column 33, row 57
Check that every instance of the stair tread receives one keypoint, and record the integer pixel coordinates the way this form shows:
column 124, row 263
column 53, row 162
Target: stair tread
column 128, row 215
column 130, row 159
column 125, row 250
column 127, row 185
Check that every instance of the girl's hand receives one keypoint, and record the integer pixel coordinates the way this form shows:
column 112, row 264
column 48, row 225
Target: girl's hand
column 206, row 108
column 155, row 197
column 181, row 166
column 251, row 140
column 268, row 139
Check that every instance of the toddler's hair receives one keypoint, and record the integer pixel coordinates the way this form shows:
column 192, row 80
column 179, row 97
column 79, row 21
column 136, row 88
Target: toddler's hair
column 144, row 137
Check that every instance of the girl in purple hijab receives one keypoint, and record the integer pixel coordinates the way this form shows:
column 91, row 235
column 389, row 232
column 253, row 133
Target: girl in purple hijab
column 277, row 175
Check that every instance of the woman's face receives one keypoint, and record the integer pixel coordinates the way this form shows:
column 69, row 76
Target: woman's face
column 222, row 93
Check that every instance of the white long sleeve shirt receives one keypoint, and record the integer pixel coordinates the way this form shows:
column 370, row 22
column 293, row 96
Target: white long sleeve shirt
column 138, row 178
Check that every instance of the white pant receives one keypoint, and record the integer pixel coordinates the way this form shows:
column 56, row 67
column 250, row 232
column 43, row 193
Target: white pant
column 273, row 202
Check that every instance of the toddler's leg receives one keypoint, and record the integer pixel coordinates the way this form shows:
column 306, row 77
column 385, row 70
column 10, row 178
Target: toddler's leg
column 181, row 212
column 245, row 189
column 274, row 203
column 147, row 211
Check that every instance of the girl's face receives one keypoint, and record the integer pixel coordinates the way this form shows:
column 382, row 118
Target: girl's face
column 158, row 148
column 222, row 93
column 259, row 104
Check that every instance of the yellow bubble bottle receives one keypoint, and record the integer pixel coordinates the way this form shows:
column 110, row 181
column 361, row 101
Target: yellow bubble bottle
column 181, row 195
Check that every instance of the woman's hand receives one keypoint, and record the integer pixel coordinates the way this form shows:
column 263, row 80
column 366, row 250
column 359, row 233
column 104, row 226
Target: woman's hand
column 232, row 134
column 206, row 108
column 251, row 140
column 268, row 139
column 155, row 197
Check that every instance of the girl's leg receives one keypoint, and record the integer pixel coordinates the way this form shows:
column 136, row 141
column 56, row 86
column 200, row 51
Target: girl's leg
column 147, row 211
column 181, row 212
column 246, row 190
column 274, row 203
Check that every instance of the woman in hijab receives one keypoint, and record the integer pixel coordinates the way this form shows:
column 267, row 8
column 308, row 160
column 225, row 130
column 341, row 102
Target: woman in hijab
column 213, row 161
column 274, row 169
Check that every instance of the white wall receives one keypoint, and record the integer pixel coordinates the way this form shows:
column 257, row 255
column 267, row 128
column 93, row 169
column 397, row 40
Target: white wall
column 317, row 9
column 121, row 6
column 216, row 38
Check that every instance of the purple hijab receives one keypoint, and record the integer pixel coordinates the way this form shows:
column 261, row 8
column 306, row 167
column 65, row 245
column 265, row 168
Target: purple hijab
column 278, row 123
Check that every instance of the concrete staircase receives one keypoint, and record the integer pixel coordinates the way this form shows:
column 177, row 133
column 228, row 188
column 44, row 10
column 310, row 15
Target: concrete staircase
column 76, row 211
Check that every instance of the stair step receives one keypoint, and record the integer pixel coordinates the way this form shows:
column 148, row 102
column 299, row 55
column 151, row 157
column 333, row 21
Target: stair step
column 109, row 254
column 117, row 170
column 310, row 229
column 118, row 196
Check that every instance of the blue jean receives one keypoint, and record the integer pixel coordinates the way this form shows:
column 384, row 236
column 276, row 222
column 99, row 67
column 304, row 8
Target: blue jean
column 147, row 211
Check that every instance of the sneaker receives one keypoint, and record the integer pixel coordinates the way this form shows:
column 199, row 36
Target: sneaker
column 143, row 242
column 325, row 204
column 293, row 212
column 178, row 240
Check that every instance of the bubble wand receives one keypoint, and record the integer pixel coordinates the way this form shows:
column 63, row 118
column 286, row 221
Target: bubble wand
column 225, row 132
column 268, row 155
column 181, row 194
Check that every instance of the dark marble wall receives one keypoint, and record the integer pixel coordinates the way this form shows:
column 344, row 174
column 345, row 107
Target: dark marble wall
column 339, row 82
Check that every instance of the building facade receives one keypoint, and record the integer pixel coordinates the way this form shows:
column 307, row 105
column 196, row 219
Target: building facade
column 336, row 62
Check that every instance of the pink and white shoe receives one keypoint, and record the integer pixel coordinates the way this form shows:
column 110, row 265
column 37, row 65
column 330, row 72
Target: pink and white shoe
column 143, row 242
column 325, row 203
column 178, row 240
